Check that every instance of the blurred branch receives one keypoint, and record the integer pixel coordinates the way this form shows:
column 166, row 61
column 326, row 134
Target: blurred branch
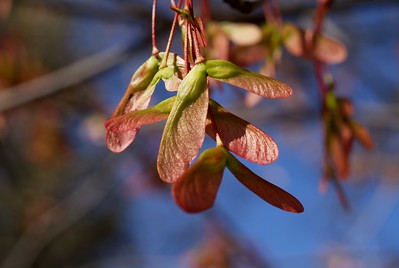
column 73, row 74
column 58, row 219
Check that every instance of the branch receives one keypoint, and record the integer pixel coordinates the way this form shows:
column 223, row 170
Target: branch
column 75, row 73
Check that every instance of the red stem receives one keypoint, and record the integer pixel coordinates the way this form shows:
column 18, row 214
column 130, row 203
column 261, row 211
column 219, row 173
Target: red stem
column 186, row 48
column 172, row 32
column 205, row 11
column 324, row 6
column 272, row 12
column 319, row 73
column 267, row 10
column 198, row 56
column 155, row 50
column 188, row 4
column 277, row 11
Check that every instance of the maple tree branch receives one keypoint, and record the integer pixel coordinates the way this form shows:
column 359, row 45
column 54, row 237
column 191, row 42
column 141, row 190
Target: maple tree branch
column 72, row 74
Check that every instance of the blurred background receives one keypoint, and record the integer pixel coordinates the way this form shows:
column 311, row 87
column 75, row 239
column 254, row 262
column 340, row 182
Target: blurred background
column 66, row 201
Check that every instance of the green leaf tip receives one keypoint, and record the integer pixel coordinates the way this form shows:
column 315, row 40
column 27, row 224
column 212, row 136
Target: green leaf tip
column 264, row 86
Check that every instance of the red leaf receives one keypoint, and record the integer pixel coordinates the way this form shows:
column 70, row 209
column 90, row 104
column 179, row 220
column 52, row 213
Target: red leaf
column 300, row 43
column 264, row 189
column 196, row 189
column 117, row 142
column 136, row 96
column 329, row 50
column 361, row 134
column 267, row 69
column 136, row 119
column 264, row 86
column 241, row 137
column 185, row 128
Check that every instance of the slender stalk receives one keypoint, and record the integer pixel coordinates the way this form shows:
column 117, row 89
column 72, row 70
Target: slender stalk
column 320, row 15
column 272, row 12
column 198, row 55
column 186, row 48
column 190, row 43
column 205, row 11
column 172, row 32
column 155, row 50
column 268, row 12
column 188, row 4
column 340, row 192
column 319, row 73
column 277, row 11
column 324, row 6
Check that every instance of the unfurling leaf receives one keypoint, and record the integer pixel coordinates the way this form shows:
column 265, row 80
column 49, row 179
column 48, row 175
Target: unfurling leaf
column 136, row 97
column 264, row 86
column 196, row 189
column 264, row 189
column 139, row 92
column 136, row 119
column 140, row 81
column 185, row 128
column 241, row 137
